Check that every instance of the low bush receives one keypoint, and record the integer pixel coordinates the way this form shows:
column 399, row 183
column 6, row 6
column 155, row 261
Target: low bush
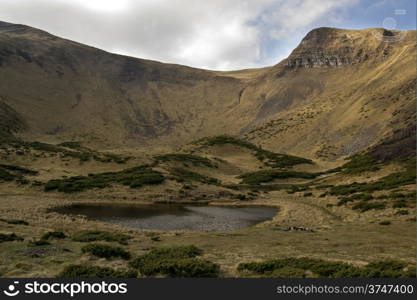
column 354, row 197
column 40, row 242
column 133, row 177
column 391, row 181
column 98, row 235
column 365, row 206
column 287, row 272
column 15, row 222
column 274, row 160
column 297, row 188
column 6, row 176
column 186, row 158
column 19, row 169
column 182, row 175
column 85, row 271
column 360, row 163
column 106, row 251
column 78, row 152
column 402, row 212
column 399, row 204
column 9, row 237
column 328, row 269
column 270, row 175
column 175, row 262
column 385, row 223
column 53, row 235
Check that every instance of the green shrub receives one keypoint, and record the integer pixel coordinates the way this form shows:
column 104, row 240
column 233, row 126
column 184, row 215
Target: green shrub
column 297, row 188
column 287, row 272
column 98, row 235
column 71, row 145
column 15, row 222
column 399, row 204
column 270, row 175
column 9, row 237
column 269, row 158
column 133, row 177
column 328, row 269
column 402, row 212
column 385, row 223
column 360, row 163
column 182, row 175
column 354, row 197
column 365, row 206
column 175, row 262
column 83, row 271
column 6, row 176
column 106, row 251
column 388, row 269
column 53, row 235
column 388, row 182
column 186, row 158
column 78, row 152
column 40, row 242
column 19, row 169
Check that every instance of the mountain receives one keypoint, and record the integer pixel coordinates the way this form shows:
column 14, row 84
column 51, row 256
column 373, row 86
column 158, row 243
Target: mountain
column 325, row 138
column 339, row 92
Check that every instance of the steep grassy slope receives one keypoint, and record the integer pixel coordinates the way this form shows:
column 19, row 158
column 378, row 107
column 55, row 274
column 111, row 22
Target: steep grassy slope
column 339, row 92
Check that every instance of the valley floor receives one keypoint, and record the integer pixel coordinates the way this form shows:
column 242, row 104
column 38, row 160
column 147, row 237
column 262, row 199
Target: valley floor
column 359, row 241
column 354, row 213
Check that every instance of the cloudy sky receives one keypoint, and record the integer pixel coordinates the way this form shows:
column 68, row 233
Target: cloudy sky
column 212, row 34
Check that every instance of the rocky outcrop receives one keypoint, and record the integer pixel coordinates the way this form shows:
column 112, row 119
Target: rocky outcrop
column 330, row 47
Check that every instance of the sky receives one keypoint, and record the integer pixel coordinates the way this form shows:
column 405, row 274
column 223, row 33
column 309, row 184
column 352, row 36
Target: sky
column 209, row 34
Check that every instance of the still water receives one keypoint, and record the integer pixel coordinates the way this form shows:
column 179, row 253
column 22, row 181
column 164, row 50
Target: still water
column 174, row 217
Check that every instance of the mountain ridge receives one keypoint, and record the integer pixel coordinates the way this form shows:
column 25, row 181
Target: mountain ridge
column 65, row 91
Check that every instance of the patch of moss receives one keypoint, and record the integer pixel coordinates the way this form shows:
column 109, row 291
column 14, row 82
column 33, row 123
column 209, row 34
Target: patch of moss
column 106, row 251
column 98, row 235
column 175, row 262
column 85, row 271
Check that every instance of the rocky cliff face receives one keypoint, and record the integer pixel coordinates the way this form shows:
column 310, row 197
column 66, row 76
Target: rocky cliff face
column 328, row 47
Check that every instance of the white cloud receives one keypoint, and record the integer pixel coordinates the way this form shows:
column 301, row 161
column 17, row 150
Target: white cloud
column 216, row 34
